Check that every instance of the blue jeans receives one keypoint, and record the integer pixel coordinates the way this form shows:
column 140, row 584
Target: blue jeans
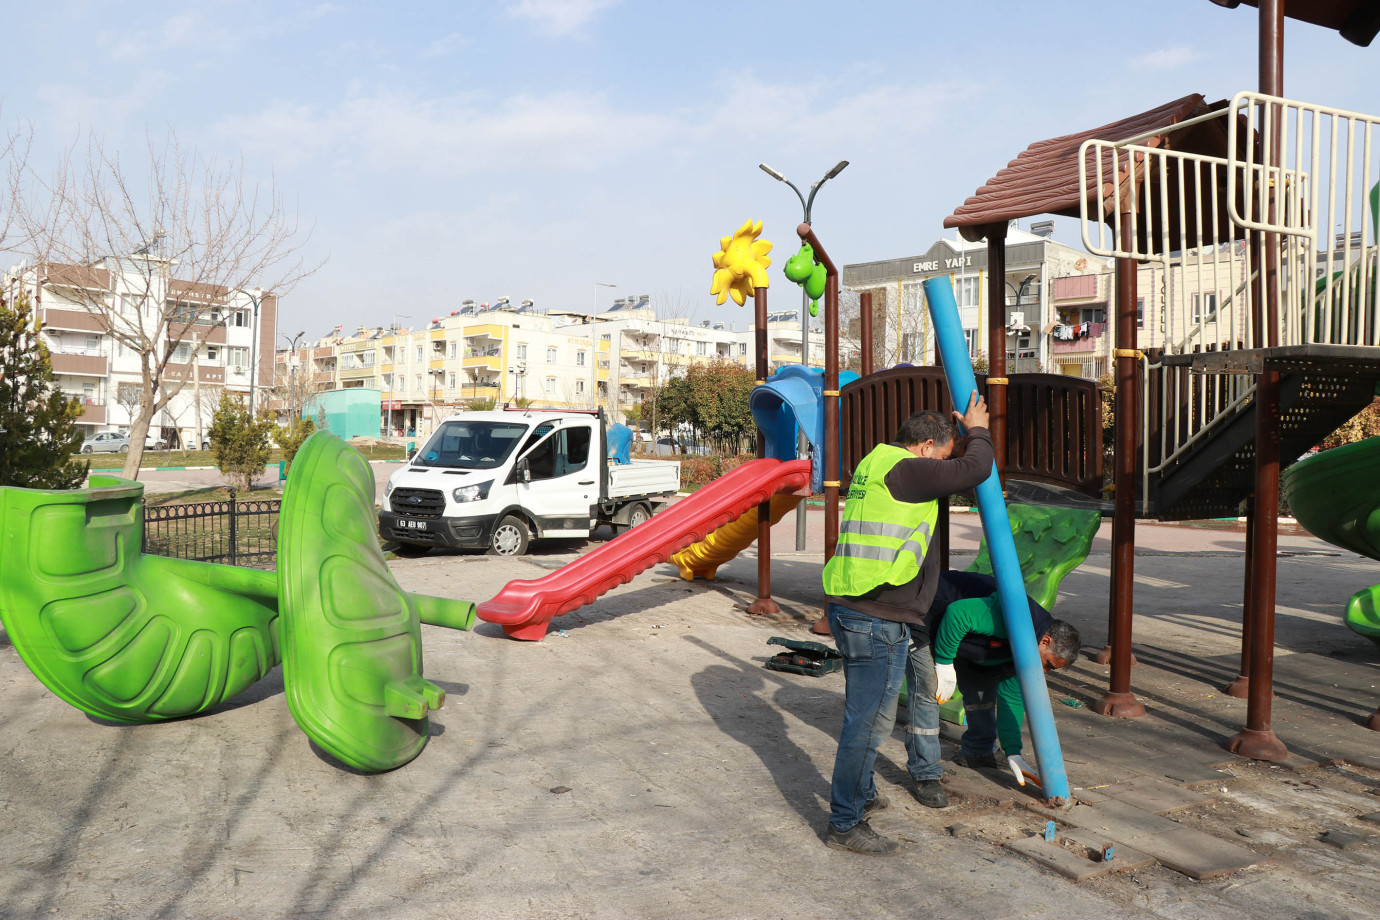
column 874, row 664
column 979, row 684
column 922, row 726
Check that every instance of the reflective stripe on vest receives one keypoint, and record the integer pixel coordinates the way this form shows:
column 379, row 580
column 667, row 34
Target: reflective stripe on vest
column 881, row 541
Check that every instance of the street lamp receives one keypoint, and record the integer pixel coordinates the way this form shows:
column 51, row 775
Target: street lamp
column 594, row 346
column 253, row 345
column 292, row 341
column 806, row 204
column 1011, row 328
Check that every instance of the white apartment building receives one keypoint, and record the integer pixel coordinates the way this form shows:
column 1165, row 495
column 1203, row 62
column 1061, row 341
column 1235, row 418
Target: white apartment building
column 220, row 335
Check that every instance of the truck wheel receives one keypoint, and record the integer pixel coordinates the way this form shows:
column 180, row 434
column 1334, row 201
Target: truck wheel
column 509, row 538
column 638, row 515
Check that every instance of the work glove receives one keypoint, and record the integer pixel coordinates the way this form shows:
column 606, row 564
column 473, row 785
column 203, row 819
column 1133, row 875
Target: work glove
column 1022, row 770
column 946, row 679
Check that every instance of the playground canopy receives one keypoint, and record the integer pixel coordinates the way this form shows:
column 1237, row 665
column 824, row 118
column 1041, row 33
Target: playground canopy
column 1357, row 20
column 1044, row 178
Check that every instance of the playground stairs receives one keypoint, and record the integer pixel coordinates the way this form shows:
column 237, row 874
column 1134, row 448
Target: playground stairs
column 1321, row 387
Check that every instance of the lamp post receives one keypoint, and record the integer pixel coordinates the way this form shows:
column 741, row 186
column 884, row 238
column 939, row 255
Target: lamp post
column 594, row 346
column 806, row 205
column 294, row 406
column 253, row 345
column 1020, row 292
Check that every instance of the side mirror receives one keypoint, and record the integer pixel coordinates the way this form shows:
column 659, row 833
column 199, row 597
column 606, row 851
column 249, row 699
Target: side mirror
column 524, row 471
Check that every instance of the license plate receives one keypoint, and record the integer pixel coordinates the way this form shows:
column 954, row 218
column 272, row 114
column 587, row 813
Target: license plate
column 414, row 525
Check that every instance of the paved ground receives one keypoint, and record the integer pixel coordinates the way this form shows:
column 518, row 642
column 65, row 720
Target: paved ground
column 641, row 763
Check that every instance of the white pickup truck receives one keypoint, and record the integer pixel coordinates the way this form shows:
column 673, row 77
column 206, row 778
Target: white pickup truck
column 501, row 479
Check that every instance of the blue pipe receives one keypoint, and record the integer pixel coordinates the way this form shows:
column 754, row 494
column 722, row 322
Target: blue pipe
column 958, row 371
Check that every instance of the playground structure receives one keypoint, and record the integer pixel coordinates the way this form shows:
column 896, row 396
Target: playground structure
column 1205, row 421
column 138, row 639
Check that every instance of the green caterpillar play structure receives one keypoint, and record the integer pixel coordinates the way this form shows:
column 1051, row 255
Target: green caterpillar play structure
column 135, row 638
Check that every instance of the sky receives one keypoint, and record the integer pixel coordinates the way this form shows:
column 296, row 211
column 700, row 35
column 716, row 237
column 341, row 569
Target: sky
column 443, row 151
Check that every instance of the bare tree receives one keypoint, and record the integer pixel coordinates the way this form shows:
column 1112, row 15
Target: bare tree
column 156, row 248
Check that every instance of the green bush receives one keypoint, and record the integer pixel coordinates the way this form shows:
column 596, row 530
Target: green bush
column 239, row 442
column 290, row 438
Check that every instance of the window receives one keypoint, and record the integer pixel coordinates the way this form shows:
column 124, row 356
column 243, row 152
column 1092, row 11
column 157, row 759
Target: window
column 88, row 391
column 388, row 381
column 419, row 352
column 580, row 358
column 550, row 386
column 239, row 318
column 701, row 348
column 550, row 356
column 452, row 353
column 420, row 388
column 742, row 349
column 970, row 336
column 402, row 383
column 452, row 376
column 910, row 347
column 579, row 387
column 968, row 291
column 93, row 344
column 212, row 352
column 1199, row 314
column 1140, row 312
column 522, row 352
column 565, row 452
column 239, row 356
column 182, row 353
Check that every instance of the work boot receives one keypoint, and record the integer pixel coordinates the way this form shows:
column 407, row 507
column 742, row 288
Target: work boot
column 861, row 838
column 931, row 794
column 986, row 761
column 877, row 804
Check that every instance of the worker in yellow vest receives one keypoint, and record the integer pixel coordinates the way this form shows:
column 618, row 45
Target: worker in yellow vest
column 879, row 585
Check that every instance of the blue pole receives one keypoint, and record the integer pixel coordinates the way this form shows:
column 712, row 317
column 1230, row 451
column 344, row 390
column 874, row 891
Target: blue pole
column 958, row 370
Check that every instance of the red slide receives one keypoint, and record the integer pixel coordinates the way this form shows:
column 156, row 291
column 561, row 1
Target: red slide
column 524, row 608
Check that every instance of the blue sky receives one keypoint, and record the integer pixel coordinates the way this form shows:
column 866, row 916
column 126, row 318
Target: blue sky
column 530, row 148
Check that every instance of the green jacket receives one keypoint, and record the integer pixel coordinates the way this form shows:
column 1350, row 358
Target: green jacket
column 882, row 541
column 982, row 615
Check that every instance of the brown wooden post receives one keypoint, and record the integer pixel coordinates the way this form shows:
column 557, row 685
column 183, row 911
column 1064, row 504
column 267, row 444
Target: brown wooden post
column 865, row 330
column 996, row 342
column 1119, row 700
column 1257, row 740
column 831, row 391
column 763, row 603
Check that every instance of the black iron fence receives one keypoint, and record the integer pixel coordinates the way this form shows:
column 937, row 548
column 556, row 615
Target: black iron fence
column 231, row 532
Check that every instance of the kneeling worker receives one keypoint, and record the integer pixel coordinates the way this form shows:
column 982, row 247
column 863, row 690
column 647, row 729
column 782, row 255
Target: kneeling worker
column 971, row 650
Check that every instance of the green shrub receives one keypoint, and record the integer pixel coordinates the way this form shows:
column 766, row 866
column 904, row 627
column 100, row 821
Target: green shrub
column 239, row 442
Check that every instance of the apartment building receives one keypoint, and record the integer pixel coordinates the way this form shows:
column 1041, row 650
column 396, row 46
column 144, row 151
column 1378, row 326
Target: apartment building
column 222, row 339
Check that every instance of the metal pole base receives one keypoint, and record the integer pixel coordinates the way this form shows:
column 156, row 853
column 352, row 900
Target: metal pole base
column 1105, row 657
column 1119, row 705
column 1373, row 723
column 1239, row 688
column 763, row 605
column 1257, row 745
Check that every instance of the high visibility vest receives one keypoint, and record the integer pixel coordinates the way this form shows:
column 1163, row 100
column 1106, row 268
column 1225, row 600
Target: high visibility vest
column 881, row 541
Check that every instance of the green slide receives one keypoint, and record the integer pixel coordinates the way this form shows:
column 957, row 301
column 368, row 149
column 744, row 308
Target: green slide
column 1336, row 496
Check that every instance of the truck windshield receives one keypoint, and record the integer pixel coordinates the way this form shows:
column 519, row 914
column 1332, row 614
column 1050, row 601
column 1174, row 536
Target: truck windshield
column 459, row 444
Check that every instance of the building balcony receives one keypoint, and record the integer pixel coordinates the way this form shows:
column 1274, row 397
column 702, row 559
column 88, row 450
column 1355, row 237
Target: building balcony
column 1086, row 338
column 490, row 331
column 80, row 365
column 1077, row 287
column 92, row 413
column 493, row 360
column 356, row 373
column 78, row 320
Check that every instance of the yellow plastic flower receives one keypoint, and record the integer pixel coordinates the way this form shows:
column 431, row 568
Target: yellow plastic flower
column 740, row 265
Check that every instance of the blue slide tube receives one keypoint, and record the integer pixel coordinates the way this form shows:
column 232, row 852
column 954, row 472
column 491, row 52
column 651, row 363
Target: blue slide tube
column 958, row 371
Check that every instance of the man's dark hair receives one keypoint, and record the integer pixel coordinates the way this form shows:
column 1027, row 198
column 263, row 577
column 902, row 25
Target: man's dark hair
column 1064, row 641
column 925, row 426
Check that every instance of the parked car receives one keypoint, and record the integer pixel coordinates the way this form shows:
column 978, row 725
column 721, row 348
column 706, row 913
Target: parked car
column 153, row 443
column 111, row 442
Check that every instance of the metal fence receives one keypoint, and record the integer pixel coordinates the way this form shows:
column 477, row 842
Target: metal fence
column 231, row 532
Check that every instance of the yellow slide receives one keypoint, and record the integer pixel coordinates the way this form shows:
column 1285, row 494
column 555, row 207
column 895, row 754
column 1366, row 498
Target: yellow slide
column 702, row 559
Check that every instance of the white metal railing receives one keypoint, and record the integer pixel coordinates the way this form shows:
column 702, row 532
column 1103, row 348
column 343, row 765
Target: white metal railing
column 1311, row 203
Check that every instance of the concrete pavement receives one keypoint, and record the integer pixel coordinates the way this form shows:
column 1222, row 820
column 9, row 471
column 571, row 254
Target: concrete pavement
column 640, row 762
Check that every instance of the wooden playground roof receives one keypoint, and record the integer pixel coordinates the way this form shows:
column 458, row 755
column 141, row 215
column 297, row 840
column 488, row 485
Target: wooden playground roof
column 1357, row 20
column 1043, row 179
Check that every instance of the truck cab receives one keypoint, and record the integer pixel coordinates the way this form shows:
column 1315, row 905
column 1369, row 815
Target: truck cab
column 498, row 480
